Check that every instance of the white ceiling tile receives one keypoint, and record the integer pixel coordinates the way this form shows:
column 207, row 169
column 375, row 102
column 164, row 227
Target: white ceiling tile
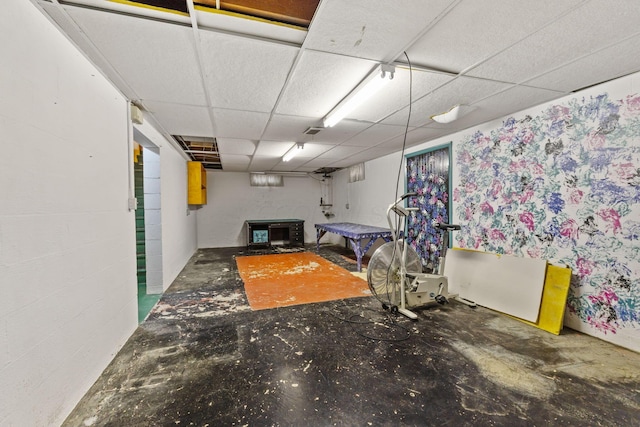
column 353, row 28
column 312, row 150
column 288, row 128
column 586, row 29
column 178, row 119
column 212, row 19
column 319, row 81
column 462, row 90
column 158, row 60
column 273, row 149
column 345, row 130
column 261, row 164
column 340, row 152
column 510, row 101
column 375, row 135
column 243, row 73
column 234, row 162
column 615, row 61
column 236, row 146
column 476, row 30
column 420, row 135
column 239, row 124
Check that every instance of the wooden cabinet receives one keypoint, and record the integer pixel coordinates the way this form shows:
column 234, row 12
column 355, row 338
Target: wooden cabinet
column 197, row 184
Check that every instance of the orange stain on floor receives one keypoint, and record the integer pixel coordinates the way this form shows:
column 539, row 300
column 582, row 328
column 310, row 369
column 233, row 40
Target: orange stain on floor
column 282, row 280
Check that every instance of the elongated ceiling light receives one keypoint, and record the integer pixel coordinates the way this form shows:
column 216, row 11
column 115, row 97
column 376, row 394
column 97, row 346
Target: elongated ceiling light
column 453, row 114
column 293, row 151
column 375, row 81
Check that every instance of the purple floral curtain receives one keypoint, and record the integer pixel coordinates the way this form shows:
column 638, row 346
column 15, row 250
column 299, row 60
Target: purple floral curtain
column 428, row 176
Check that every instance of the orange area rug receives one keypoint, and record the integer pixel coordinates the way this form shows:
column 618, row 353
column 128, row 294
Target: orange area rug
column 282, row 280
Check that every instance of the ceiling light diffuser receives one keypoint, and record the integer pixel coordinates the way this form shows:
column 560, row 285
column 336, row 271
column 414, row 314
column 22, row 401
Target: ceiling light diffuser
column 293, row 151
column 453, row 114
column 375, row 81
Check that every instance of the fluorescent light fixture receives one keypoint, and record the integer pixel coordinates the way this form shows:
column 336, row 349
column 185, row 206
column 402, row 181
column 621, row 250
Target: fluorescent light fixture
column 375, row 81
column 293, row 151
column 453, row 114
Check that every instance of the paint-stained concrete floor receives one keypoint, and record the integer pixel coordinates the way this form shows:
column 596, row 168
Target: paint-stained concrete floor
column 203, row 358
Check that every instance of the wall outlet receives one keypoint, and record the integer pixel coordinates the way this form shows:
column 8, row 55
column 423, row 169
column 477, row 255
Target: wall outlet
column 133, row 203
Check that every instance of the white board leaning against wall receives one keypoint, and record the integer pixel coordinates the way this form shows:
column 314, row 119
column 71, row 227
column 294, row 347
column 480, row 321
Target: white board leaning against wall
column 511, row 285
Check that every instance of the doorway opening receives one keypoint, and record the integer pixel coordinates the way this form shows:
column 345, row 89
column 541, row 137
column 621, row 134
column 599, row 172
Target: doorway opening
column 148, row 228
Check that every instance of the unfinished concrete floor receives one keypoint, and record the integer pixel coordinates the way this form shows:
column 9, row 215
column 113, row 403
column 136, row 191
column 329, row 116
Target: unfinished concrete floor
column 203, row 358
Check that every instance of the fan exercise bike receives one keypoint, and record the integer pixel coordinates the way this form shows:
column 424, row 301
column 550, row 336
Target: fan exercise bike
column 395, row 274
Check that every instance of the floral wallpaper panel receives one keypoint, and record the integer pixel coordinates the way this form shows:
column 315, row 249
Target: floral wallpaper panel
column 563, row 185
column 428, row 176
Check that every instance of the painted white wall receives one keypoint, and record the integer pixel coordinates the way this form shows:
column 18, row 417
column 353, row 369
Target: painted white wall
column 231, row 201
column 367, row 200
column 67, row 238
column 179, row 232
column 152, row 220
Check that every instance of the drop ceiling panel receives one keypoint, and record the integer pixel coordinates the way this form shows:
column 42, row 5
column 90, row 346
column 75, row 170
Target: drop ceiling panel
column 363, row 156
column 462, row 90
column 372, row 29
column 236, row 146
column 239, row 124
column 342, row 132
column 319, row 81
column 476, row 30
column 594, row 68
column 288, row 128
column 210, row 18
column 502, row 104
column 262, row 164
column 292, row 165
column 573, row 36
column 235, row 162
column 158, row 60
column 180, row 119
column 243, row 73
column 420, row 135
column 375, row 135
column 273, row 149
column 311, row 150
column 339, row 152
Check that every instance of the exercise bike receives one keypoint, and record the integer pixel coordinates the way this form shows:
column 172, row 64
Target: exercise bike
column 395, row 274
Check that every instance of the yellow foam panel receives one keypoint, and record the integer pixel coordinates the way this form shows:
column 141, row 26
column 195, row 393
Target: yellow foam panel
column 554, row 299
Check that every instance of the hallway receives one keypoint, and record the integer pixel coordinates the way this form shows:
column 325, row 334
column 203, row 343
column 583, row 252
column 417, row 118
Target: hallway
column 204, row 358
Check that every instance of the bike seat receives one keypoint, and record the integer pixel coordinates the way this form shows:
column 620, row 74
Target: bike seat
column 448, row 227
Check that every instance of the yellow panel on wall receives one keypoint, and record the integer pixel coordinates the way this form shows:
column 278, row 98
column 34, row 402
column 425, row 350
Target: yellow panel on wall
column 554, row 299
column 197, row 184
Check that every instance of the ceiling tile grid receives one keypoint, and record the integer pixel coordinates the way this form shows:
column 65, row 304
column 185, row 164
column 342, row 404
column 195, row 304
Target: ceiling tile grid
column 255, row 86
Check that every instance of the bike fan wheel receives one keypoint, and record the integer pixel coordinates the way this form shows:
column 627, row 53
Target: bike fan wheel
column 383, row 271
